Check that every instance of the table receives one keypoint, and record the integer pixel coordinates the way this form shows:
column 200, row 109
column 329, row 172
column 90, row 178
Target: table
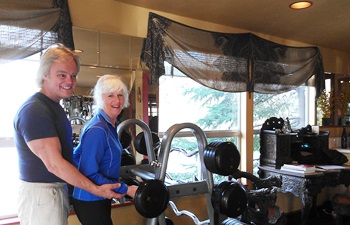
column 307, row 186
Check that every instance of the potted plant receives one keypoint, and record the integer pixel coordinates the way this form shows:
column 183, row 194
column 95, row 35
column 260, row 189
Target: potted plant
column 325, row 103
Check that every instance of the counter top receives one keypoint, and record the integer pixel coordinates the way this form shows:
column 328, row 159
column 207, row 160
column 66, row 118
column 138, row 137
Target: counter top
column 343, row 150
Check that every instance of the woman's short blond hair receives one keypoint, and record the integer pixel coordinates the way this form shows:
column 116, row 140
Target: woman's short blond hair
column 108, row 84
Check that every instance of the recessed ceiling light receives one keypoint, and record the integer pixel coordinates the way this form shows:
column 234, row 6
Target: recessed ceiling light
column 78, row 50
column 300, row 5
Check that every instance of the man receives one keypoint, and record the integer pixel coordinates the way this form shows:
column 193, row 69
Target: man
column 43, row 137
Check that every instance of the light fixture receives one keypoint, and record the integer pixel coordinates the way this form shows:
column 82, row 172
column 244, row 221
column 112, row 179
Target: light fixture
column 78, row 50
column 300, row 5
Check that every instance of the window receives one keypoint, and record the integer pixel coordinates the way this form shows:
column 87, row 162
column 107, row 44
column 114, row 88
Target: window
column 296, row 105
column 182, row 100
column 18, row 83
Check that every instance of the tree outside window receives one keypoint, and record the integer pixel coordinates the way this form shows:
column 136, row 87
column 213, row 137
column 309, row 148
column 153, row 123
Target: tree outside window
column 184, row 100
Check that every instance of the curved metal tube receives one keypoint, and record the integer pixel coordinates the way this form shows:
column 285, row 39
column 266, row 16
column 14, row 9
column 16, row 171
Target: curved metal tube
column 187, row 213
column 184, row 151
column 166, row 144
column 146, row 131
column 202, row 144
column 150, row 153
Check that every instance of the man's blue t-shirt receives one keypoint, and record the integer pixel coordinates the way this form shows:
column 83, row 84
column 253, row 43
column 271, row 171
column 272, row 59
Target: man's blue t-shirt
column 40, row 117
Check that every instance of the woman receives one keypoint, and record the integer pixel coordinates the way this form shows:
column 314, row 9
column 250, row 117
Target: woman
column 98, row 156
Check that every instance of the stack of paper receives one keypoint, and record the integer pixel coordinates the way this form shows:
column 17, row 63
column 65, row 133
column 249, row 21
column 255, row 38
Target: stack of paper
column 301, row 168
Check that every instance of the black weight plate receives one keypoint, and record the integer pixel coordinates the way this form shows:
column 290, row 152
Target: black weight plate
column 209, row 156
column 227, row 158
column 234, row 200
column 209, row 159
column 216, row 195
column 127, row 158
column 222, row 158
column 140, row 142
column 125, row 139
column 151, row 198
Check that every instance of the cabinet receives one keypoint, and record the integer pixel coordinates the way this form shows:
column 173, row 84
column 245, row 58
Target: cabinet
column 277, row 148
column 274, row 146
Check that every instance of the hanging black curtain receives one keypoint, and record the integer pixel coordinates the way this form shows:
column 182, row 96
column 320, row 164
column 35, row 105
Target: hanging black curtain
column 29, row 26
column 230, row 62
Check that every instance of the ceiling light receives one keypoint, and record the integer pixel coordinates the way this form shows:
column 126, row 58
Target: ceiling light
column 92, row 67
column 78, row 50
column 300, row 5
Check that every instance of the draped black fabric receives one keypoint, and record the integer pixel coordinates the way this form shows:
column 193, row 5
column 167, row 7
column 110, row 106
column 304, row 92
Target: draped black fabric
column 230, row 62
column 29, row 26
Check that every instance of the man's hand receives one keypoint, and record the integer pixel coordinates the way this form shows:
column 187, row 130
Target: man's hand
column 131, row 190
column 107, row 191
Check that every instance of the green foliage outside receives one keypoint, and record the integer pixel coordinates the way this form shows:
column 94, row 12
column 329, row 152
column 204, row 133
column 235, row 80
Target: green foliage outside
column 190, row 144
column 222, row 111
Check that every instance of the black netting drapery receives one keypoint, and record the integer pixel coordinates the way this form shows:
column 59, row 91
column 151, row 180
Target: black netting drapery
column 29, row 26
column 230, row 62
